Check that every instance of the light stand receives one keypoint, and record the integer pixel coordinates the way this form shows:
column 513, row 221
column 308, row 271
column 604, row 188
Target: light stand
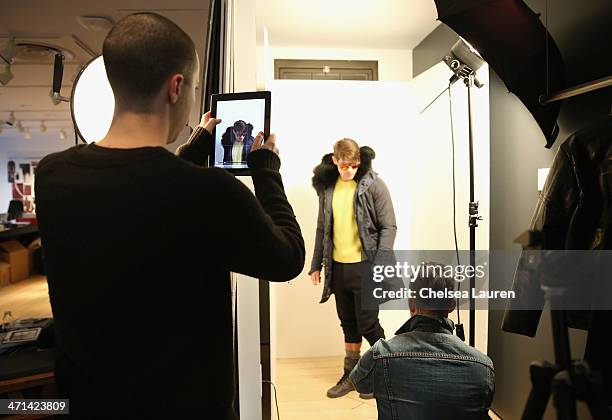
column 473, row 212
column 464, row 61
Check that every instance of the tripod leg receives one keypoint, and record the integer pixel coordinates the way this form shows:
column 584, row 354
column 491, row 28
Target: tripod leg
column 563, row 396
column 591, row 389
column 541, row 374
column 598, row 408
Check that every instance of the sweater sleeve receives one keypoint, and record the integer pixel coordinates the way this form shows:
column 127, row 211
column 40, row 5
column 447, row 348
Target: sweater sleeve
column 197, row 149
column 257, row 235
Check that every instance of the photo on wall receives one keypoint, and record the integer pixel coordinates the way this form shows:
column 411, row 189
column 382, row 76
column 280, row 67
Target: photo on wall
column 21, row 177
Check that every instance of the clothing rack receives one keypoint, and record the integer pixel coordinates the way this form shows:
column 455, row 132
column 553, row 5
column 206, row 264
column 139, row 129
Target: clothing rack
column 577, row 90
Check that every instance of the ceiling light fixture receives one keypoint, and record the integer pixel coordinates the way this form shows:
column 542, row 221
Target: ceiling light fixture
column 43, row 127
column 95, row 23
column 62, row 134
column 26, row 134
column 8, row 50
column 58, row 74
column 11, row 119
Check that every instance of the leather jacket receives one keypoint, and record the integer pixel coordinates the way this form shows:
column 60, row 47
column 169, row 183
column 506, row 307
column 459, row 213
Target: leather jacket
column 574, row 212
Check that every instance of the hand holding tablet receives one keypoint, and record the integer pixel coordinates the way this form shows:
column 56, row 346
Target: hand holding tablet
column 269, row 144
column 208, row 123
column 237, row 117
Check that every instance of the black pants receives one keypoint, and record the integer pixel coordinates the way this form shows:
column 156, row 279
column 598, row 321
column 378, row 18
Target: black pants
column 355, row 321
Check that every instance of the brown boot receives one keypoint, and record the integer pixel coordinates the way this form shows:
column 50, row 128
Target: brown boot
column 344, row 386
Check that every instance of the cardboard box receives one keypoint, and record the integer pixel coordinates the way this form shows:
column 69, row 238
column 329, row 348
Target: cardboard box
column 33, row 248
column 18, row 257
column 5, row 274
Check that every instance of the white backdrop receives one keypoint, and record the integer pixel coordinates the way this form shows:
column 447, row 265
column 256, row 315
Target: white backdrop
column 413, row 158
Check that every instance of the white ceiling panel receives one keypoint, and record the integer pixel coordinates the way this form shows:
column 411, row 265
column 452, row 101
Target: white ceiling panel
column 358, row 24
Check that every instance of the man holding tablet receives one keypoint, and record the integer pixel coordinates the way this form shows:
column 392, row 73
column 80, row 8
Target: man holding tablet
column 139, row 243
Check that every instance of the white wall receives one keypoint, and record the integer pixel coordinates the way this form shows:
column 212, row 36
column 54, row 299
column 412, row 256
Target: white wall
column 393, row 65
column 242, row 41
column 413, row 158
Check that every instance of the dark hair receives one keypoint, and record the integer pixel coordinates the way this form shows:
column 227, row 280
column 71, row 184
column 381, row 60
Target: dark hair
column 239, row 126
column 433, row 277
column 140, row 52
column 347, row 149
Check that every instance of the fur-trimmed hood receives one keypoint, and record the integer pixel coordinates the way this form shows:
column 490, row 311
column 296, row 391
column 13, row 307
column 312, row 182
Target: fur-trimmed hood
column 326, row 174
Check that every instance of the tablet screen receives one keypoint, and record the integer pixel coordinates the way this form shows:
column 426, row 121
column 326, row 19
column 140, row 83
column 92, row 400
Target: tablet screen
column 241, row 121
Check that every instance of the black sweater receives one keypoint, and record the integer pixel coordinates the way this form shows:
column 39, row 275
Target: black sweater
column 138, row 246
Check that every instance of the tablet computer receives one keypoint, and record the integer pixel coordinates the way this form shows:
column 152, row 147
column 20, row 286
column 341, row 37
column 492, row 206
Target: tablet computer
column 243, row 115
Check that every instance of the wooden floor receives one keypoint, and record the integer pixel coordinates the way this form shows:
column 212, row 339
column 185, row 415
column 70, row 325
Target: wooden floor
column 301, row 383
column 26, row 299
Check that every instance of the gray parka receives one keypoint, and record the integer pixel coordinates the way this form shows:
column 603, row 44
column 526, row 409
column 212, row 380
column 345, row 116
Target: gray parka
column 373, row 210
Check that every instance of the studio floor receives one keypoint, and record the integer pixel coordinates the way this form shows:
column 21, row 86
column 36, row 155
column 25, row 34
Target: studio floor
column 28, row 298
column 301, row 383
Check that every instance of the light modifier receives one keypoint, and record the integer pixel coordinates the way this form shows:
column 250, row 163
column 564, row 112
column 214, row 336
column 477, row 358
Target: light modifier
column 92, row 102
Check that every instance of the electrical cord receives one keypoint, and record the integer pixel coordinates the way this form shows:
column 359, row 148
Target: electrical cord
column 452, row 129
column 275, row 398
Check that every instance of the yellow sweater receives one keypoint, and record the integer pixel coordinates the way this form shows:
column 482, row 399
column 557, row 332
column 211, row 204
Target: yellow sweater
column 347, row 246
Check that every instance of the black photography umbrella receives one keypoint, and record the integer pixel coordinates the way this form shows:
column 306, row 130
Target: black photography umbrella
column 511, row 38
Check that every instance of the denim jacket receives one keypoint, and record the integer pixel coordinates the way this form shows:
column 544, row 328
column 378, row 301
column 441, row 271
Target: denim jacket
column 425, row 372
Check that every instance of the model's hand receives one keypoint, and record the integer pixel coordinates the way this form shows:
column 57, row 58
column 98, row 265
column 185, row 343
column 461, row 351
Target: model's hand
column 208, row 123
column 269, row 144
column 315, row 277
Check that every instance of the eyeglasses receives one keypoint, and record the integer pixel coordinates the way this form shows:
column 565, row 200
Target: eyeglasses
column 345, row 166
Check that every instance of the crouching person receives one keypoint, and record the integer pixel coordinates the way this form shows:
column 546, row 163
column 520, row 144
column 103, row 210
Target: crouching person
column 426, row 372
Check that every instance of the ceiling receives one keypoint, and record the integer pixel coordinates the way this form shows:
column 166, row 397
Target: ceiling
column 55, row 23
column 358, row 24
column 363, row 24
